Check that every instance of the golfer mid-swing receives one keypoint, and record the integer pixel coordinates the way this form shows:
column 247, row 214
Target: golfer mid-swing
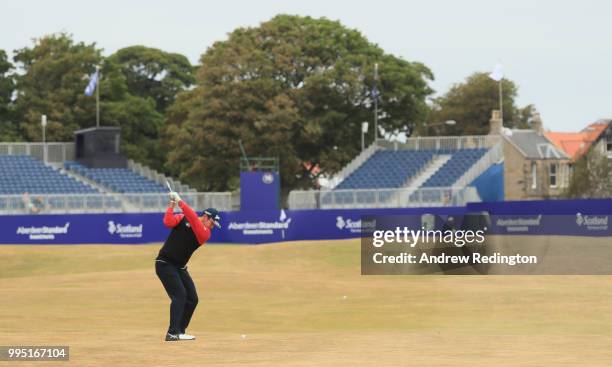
column 188, row 233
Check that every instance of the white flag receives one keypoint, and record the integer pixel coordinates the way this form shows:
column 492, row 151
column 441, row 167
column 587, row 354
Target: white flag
column 91, row 87
column 498, row 73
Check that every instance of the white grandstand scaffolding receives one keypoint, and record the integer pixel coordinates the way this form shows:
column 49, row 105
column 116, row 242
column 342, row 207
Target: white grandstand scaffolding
column 411, row 195
column 108, row 203
column 405, row 197
column 54, row 154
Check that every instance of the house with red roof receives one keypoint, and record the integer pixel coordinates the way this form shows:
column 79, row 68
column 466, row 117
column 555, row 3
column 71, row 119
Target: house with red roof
column 597, row 136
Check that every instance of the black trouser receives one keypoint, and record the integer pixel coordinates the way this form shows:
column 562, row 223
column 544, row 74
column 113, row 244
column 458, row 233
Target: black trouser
column 182, row 293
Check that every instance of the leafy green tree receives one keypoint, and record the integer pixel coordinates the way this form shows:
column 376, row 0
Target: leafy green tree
column 524, row 117
column 139, row 121
column 470, row 105
column 591, row 177
column 8, row 127
column 296, row 88
column 52, row 80
column 55, row 72
column 150, row 72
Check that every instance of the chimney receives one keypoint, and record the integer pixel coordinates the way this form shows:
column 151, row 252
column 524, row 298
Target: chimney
column 495, row 123
column 536, row 123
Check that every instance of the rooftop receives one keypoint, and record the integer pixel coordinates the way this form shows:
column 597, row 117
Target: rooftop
column 575, row 144
column 534, row 145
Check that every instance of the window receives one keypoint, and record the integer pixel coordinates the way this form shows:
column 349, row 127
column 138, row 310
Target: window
column 552, row 173
column 534, row 176
column 609, row 143
column 565, row 172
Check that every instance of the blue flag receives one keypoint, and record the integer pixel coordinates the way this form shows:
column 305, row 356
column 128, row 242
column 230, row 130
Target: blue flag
column 375, row 93
column 91, row 87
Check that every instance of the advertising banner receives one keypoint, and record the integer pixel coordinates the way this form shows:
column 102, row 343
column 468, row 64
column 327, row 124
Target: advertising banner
column 553, row 217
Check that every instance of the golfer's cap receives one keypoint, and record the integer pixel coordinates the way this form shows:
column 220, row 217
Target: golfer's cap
column 214, row 215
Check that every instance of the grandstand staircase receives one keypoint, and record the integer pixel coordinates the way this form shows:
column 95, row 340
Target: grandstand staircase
column 494, row 155
column 432, row 167
column 84, row 180
column 414, row 183
column 160, row 178
column 103, row 189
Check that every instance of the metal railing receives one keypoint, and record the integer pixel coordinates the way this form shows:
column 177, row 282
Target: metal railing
column 107, row 203
column 382, row 198
column 270, row 164
column 443, row 142
column 46, row 152
column 492, row 156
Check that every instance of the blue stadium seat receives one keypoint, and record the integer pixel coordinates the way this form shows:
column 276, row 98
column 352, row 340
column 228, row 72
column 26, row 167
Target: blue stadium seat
column 122, row 180
column 455, row 167
column 387, row 169
column 22, row 173
column 393, row 168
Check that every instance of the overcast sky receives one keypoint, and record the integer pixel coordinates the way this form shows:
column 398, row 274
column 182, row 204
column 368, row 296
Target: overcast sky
column 558, row 52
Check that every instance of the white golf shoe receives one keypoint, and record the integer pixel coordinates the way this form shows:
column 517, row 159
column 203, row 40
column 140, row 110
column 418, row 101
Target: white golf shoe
column 186, row 337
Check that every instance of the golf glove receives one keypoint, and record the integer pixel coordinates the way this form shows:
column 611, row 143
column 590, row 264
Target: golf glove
column 174, row 196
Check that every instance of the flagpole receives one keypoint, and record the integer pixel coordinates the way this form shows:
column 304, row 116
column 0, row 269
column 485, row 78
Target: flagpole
column 501, row 109
column 498, row 75
column 376, row 103
column 98, row 97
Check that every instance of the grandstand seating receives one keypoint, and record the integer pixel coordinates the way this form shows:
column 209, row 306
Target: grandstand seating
column 387, row 169
column 21, row 173
column 122, row 180
column 455, row 167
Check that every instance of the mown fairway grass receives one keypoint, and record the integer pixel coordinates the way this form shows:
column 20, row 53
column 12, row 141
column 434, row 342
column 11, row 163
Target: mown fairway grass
column 299, row 304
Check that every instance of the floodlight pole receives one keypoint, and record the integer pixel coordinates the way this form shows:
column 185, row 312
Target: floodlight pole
column 362, row 141
column 98, row 97
column 376, row 102
column 43, row 123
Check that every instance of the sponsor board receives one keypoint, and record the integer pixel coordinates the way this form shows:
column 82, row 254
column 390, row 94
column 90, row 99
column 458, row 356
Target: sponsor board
column 83, row 228
column 356, row 226
column 555, row 217
column 125, row 230
column 513, row 224
column 262, row 227
column 43, row 232
column 592, row 222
